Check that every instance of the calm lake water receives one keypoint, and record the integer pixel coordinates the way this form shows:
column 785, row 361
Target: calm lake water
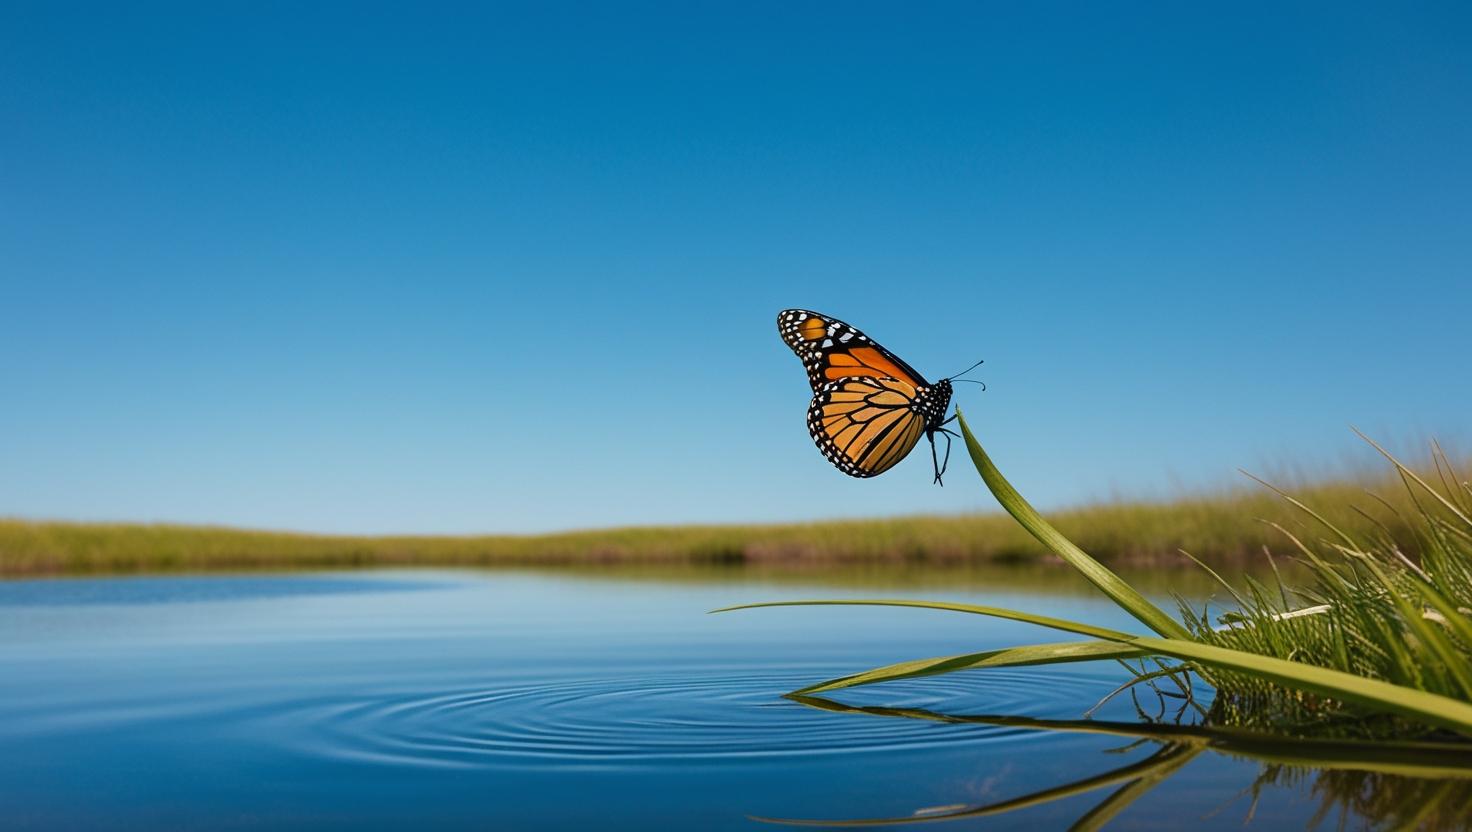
column 496, row 700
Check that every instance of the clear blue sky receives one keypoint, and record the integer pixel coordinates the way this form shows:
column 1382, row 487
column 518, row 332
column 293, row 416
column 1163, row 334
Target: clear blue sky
column 446, row 268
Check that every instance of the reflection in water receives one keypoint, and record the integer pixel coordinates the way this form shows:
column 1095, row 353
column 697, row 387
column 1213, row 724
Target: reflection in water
column 475, row 700
column 1400, row 785
column 1137, row 778
column 194, row 589
column 1388, row 800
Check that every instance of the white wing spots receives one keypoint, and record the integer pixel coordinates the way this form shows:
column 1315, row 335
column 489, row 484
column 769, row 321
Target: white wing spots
column 930, row 402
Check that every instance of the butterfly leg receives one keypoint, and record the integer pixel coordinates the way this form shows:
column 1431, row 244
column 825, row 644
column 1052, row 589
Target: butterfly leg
column 939, row 464
column 945, row 463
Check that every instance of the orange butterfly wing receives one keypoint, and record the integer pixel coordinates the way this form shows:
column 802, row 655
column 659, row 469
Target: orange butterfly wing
column 831, row 349
column 865, row 425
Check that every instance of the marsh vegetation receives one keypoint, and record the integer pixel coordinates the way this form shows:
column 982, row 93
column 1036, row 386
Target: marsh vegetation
column 1366, row 666
column 1229, row 528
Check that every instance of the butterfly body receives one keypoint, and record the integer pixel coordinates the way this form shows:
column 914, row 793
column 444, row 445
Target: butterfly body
column 869, row 408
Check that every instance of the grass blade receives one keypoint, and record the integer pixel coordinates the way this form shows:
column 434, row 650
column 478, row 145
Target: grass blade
column 1418, row 705
column 995, row 612
column 1451, row 617
column 1407, row 472
column 1033, row 654
column 1097, row 573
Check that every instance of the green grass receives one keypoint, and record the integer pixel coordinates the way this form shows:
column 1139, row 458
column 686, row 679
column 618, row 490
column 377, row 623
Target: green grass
column 1361, row 677
column 1223, row 528
column 1375, row 608
column 1379, row 639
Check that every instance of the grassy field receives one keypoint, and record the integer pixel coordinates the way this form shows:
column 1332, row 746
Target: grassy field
column 1223, row 529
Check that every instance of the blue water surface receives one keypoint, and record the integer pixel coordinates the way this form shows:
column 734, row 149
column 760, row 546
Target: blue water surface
column 504, row 700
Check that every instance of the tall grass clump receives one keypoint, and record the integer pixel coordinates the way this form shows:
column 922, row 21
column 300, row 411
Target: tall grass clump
column 1367, row 607
column 1378, row 640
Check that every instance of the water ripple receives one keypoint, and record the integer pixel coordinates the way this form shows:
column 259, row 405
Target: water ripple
column 641, row 718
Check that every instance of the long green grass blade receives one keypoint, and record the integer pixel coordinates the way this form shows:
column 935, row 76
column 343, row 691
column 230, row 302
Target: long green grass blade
column 1033, row 654
column 1098, row 574
column 1429, row 708
column 1303, row 507
column 1407, row 472
column 1416, row 622
column 995, row 612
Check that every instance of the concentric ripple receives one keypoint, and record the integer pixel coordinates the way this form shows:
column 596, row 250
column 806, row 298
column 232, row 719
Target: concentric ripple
column 640, row 718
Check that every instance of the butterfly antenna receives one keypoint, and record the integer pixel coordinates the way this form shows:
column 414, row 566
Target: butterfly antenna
column 965, row 371
column 971, row 381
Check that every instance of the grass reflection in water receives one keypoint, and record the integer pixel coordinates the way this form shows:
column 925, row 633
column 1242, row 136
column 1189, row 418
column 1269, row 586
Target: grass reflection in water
column 1411, row 785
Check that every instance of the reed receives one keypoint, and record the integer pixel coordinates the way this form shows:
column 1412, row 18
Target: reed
column 1369, row 607
column 1379, row 640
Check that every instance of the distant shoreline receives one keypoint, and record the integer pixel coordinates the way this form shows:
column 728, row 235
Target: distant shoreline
column 1223, row 529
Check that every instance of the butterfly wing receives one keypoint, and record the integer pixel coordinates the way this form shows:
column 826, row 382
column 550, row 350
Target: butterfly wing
column 831, row 349
column 864, row 424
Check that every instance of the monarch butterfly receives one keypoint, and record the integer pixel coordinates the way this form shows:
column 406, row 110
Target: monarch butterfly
column 869, row 408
